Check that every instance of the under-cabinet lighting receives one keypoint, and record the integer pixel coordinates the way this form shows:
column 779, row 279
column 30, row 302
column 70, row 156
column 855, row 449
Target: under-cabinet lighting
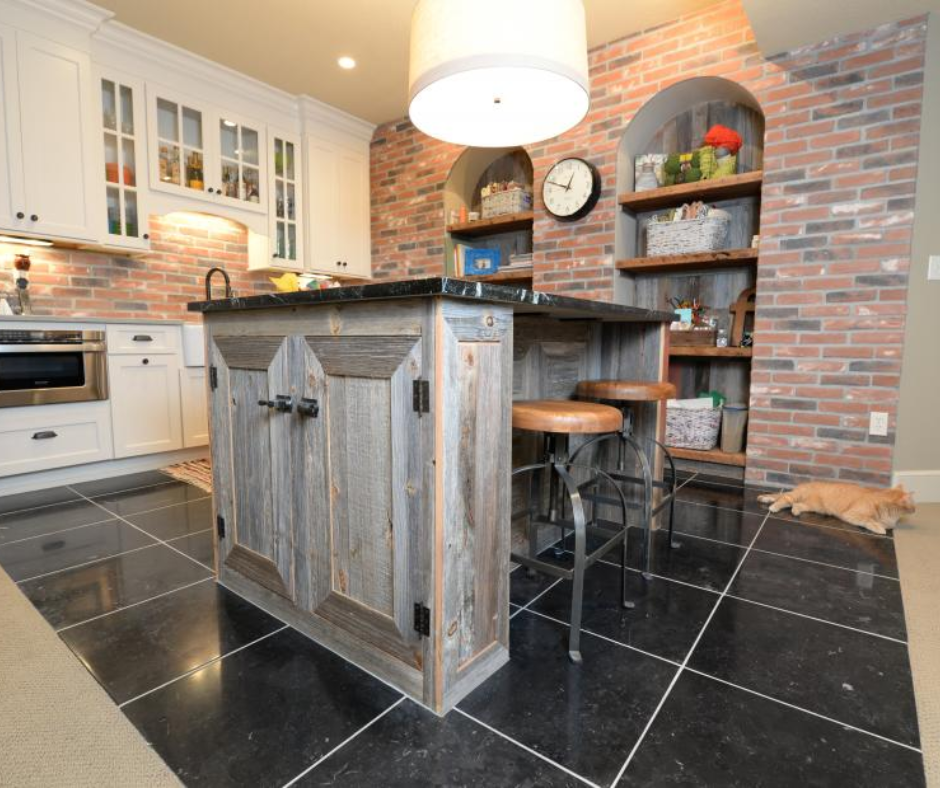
column 230, row 123
column 10, row 239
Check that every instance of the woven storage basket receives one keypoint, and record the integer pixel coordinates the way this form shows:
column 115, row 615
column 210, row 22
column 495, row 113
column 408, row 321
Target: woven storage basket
column 692, row 429
column 690, row 235
column 501, row 203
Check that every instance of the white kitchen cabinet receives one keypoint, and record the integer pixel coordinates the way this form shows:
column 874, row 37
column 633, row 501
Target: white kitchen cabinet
column 197, row 150
column 195, row 406
column 141, row 338
column 54, row 436
column 285, row 199
column 122, row 125
column 47, row 161
column 145, row 403
column 337, row 188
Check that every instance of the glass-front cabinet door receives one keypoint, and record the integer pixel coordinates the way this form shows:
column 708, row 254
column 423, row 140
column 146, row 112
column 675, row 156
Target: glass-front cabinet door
column 285, row 201
column 177, row 133
column 239, row 161
column 126, row 213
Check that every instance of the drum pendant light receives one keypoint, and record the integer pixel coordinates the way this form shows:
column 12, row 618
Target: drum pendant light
column 498, row 73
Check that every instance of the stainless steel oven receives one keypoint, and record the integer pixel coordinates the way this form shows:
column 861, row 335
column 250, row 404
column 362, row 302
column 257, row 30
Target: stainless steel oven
column 43, row 367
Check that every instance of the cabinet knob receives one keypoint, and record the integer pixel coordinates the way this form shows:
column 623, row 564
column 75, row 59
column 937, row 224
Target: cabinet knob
column 345, row 263
column 339, row 262
column 145, row 361
column 146, row 236
column 20, row 215
column 34, row 218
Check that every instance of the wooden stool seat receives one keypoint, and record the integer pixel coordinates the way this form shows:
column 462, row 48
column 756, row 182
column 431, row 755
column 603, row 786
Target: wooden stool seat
column 627, row 390
column 565, row 416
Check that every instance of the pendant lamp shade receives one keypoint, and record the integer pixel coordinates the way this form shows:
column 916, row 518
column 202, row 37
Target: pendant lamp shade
column 498, row 73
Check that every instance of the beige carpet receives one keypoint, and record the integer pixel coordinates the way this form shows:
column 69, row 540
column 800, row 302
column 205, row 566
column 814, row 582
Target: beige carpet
column 57, row 726
column 917, row 543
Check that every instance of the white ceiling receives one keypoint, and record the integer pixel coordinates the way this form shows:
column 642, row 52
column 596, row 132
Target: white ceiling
column 294, row 44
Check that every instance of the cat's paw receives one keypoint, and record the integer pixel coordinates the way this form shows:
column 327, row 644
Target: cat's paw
column 797, row 510
column 769, row 498
column 875, row 528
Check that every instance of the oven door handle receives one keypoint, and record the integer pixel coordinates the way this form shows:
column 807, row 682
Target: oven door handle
column 85, row 347
column 44, row 435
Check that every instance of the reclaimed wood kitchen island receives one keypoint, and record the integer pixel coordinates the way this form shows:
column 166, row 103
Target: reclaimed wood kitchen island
column 362, row 448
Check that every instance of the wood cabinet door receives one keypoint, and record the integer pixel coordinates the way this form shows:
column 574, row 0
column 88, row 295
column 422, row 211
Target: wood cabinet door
column 252, row 458
column 361, row 555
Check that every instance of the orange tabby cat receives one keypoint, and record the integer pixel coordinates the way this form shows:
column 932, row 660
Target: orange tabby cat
column 867, row 507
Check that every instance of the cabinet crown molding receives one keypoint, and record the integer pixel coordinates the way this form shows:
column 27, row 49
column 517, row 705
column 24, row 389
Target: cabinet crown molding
column 76, row 12
column 314, row 111
column 167, row 56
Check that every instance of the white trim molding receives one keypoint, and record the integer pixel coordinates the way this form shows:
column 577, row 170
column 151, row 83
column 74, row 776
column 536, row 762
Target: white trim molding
column 320, row 114
column 924, row 484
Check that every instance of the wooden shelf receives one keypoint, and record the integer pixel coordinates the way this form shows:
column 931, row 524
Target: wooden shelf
column 708, row 351
column 715, row 455
column 728, row 188
column 498, row 224
column 523, row 275
column 726, row 258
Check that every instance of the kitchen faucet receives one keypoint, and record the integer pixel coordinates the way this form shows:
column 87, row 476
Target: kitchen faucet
column 225, row 276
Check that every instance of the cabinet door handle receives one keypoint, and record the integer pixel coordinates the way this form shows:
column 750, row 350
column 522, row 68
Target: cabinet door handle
column 142, row 338
column 44, row 435
column 20, row 215
column 308, row 407
column 34, row 218
column 283, row 403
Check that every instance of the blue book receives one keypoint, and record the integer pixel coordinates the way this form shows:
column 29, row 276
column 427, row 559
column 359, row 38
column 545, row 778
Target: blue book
column 478, row 262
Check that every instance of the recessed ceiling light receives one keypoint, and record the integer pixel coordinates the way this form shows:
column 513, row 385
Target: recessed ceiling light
column 346, row 62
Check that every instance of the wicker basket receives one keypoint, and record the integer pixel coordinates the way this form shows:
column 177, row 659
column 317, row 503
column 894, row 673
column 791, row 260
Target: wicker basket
column 708, row 234
column 502, row 203
column 692, row 429
column 696, row 337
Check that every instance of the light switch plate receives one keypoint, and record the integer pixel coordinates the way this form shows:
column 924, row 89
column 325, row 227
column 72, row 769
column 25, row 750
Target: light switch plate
column 878, row 423
column 933, row 267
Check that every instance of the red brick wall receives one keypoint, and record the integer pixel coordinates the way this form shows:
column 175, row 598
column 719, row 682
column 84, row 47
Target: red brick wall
column 842, row 124
column 65, row 283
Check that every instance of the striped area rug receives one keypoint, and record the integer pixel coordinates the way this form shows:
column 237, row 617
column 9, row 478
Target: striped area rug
column 197, row 472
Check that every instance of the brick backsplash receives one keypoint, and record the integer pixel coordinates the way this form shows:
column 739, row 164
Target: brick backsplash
column 72, row 283
column 840, row 158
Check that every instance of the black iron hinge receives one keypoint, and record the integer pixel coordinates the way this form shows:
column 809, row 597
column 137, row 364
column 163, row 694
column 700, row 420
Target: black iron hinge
column 220, row 526
column 422, row 620
column 421, row 396
column 213, row 377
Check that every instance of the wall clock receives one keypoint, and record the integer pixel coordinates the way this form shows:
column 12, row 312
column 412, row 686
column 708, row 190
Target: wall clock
column 571, row 189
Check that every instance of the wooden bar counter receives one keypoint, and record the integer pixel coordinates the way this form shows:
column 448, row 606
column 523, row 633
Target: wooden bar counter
column 362, row 448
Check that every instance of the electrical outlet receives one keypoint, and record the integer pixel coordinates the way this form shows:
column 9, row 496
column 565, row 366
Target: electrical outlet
column 933, row 267
column 878, row 423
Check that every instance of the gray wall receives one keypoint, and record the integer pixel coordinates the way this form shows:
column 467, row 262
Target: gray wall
column 918, row 443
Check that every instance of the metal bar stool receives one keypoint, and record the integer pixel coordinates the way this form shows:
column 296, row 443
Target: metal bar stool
column 622, row 394
column 558, row 419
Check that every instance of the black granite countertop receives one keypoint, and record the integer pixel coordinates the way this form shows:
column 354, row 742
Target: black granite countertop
column 519, row 298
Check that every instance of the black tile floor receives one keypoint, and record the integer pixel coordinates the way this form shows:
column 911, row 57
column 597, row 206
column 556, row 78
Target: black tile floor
column 762, row 651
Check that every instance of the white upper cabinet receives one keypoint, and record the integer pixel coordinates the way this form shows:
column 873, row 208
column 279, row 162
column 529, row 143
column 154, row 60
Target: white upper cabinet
column 199, row 151
column 285, row 201
column 337, row 180
column 122, row 135
column 46, row 157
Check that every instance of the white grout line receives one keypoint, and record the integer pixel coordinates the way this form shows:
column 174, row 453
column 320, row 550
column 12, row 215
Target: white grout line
column 685, row 662
column 41, row 506
column 160, row 541
column 134, row 604
column 148, row 511
column 604, row 637
column 831, row 566
column 529, row 750
column 816, row 618
column 85, row 563
column 343, row 743
column 806, row 711
column 54, row 533
column 536, row 598
column 205, row 664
